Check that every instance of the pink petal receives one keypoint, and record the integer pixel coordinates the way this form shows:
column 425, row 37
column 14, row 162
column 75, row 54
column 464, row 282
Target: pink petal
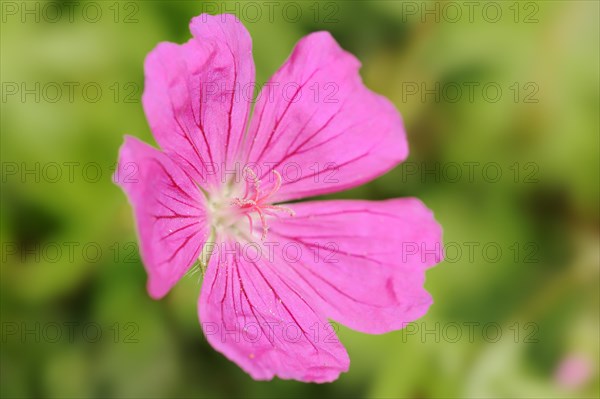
column 263, row 323
column 169, row 210
column 196, row 96
column 363, row 262
column 320, row 127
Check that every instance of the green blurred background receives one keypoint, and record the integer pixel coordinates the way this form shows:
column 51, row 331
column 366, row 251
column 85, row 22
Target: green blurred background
column 509, row 164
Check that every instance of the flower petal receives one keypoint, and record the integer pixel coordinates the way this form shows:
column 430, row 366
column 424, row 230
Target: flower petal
column 169, row 210
column 196, row 96
column 363, row 262
column 320, row 127
column 262, row 322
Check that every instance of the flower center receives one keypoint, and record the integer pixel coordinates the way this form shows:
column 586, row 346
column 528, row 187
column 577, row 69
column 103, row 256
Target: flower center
column 236, row 215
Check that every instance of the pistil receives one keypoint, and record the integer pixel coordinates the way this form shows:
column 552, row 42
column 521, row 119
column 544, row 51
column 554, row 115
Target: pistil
column 255, row 200
column 227, row 211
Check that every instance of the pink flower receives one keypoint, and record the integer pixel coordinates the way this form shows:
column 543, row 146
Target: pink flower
column 574, row 371
column 275, row 274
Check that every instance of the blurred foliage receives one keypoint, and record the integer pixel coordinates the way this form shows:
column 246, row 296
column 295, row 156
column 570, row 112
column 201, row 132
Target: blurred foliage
column 548, row 294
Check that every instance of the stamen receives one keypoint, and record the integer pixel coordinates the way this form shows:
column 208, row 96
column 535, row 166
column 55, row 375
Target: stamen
column 255, row 183
column 263, row 222
column 259, row 204
column 250, row 221
column 276, row 187
column 280, row 208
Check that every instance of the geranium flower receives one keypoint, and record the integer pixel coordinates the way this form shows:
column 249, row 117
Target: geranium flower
column 216, row 187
